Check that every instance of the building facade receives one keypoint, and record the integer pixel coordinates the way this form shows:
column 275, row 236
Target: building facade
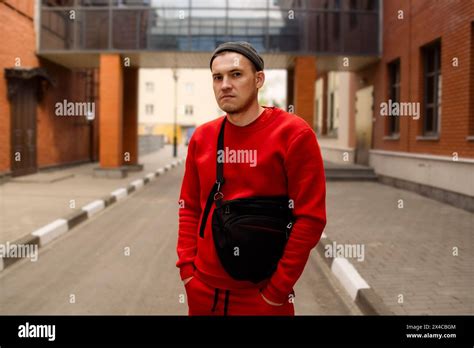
column 80, row 50
column 194, row 101
column 428, row 68
column 409, row 115
column 32, row 135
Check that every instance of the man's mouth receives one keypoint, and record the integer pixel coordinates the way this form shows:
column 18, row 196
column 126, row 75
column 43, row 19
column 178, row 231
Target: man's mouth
column 227, row 96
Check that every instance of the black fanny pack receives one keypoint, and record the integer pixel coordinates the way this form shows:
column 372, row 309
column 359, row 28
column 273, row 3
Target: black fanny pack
column 249, row 234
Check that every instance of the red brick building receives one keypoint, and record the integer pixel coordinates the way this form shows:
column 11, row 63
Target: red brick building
column 425, row 61
column 414, row 34
column 426, row 68
column 428, row 59
column 31, row 135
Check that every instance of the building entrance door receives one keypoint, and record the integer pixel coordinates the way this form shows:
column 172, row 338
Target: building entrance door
column 23, row 101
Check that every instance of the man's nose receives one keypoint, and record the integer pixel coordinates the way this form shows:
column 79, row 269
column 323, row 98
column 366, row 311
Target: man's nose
column 225, row 83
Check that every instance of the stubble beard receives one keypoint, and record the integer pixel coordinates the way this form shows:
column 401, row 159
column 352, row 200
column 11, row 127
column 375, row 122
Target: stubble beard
column 236, row 109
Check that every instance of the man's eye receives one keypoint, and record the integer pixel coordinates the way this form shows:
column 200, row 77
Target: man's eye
column 237, row 74
column 217, row 78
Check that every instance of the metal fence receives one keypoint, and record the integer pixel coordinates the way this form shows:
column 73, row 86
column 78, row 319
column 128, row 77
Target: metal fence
column 314, row 27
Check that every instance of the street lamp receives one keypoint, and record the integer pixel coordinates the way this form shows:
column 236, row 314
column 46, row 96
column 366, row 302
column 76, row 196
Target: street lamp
column 175, row 128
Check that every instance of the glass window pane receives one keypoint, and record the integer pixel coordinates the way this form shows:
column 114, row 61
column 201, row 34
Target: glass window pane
column 94, row 3
column 58, row 3
column 94, row 29
column 429, row 120
column 248, row 4
column 57, row 30
column 208, row 3
column 125, row 3
column 170, row 3
column 438, row 57
column 429, row 60
column 439, row 89
column 429, row 90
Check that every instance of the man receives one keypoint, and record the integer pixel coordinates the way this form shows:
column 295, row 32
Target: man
column 287, row 162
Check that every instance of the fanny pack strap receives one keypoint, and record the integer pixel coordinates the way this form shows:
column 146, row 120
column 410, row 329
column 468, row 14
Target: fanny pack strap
column 215, row 195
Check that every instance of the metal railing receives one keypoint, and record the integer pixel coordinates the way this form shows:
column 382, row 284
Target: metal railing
column 194, row 26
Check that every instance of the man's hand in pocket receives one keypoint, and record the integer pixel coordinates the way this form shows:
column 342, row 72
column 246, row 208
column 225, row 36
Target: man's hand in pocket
column 271, row 302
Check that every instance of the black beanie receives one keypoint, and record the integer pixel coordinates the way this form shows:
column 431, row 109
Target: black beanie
column 241, row 47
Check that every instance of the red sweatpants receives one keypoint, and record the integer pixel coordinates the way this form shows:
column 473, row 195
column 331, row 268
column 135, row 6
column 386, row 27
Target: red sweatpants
column 206, row 300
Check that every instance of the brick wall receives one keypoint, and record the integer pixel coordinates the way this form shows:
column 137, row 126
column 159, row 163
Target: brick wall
column 59, row 140
column 425, row 21
column 111, row 105
column 304, row 77
column 16, row 27
column 62, row 139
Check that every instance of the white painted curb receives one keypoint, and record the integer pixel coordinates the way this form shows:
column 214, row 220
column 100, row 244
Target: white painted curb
column 94, row 207
column 151, row 176
column 51, row 231
column 119, row 194
column 138, row 184
column 348, row 276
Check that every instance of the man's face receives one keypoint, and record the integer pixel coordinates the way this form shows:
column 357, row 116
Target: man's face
column 235, row 81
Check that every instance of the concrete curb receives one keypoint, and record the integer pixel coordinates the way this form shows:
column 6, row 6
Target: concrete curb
column 358, row 289
column 46, row 234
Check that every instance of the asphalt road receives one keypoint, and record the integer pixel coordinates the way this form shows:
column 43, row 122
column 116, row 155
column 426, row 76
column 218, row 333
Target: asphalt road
column 122, row 261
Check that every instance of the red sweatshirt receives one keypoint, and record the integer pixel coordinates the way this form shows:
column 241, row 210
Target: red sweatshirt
column 283, row 158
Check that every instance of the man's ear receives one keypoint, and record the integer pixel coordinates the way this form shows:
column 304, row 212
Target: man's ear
column 260, row 78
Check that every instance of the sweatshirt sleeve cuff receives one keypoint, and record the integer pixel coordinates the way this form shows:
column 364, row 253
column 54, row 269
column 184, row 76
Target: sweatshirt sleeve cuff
column 186, row 271
column 271, row 293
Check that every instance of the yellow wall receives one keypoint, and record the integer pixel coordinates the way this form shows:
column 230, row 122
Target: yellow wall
column 165, row 129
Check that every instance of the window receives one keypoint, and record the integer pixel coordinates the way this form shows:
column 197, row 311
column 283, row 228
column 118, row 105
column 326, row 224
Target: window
column 188, row 110
column 58, row 2
column 353, row 15
column 95, row 2
column 331, row 113
column 394, row 95
column 370, row 5
column 336, row 20
column 149, row 128
column 149, row 109
column 189, row 87
column 149, row 86
column 431, row 88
